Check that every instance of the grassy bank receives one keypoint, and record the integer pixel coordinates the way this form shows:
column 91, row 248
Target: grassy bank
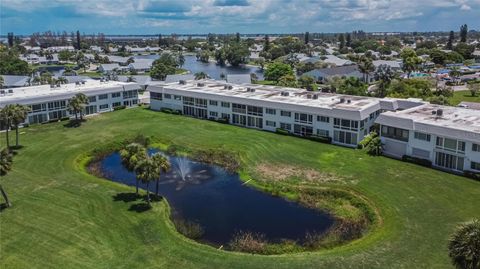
column 62, row 217
column 466, row 96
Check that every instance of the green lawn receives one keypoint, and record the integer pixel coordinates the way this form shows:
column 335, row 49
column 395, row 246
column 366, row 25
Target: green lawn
column 63, row 217
column 463, row 96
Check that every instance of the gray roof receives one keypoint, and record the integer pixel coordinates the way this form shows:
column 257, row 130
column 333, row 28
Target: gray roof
column 15, row 81
column 392, row 64
column 336, row 60
column 239, row 78
column 141, row 64
column 470, row 105
column 109, row 67
column 346, row 70
column 177, row 78
column 141, row 80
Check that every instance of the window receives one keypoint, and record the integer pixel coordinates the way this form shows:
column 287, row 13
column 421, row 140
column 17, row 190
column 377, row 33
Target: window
column 130, row 94
column 449, row 161
column 323, row 119
column 238, row 108
column 285, row 113
column 200, row 102
column 177, row 97
column 167, row 96
column 270, row 123
column 450, row 144
column 303, row 118
column 345, row 124
column 323, row 133
column 395, row 133
column 254, row 122
column 475, row 166
column 155, row 96
column 225, row 104
column 270, row 111
column 225, row 116
column 116, row 104
column 104, row 106
column 255, row 110
column 213, row 103
column 188, row 101
column 422, row 136
column 345, row 137
column 92, row 99
column 115, row 94
column 286, row 126
column 38, row 107
column 103, row 96
column 57, row 105
column 213, row 114
column 302, row 130
column 476, row 147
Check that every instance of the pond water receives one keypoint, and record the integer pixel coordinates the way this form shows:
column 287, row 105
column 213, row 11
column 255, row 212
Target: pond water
column 212, row 69
column 222, row 205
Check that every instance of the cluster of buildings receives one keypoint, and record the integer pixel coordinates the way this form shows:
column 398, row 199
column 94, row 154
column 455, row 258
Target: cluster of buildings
column 448, row 137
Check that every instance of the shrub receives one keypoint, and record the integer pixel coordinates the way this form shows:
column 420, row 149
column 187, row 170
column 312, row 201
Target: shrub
column 166, row 110
column 119, row 108
column 366, row 140
column 248, row 242
column 472, row 174
column 415, row 160
column 282, row 131
column 189, row 229
column 322, row 139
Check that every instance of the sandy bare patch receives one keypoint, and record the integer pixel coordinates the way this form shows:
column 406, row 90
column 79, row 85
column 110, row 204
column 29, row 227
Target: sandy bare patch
column 284, row 172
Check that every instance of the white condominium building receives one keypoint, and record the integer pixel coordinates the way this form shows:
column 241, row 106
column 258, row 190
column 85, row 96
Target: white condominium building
column 50, row 102
column 343, row 119
column 449, row 137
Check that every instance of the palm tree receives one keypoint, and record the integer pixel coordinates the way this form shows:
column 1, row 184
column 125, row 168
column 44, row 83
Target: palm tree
column 455, row 74
column 131, row 156
column 77, row 103
column 146, row 171
column 19, row 116
column 163, row 164
column 464, row 245
column 6, row 116
column 62, row 80
column 366, row 66
column 2, row 81
column 6, row 161
column 375, row 147
column 384, row 75
column 201, row 75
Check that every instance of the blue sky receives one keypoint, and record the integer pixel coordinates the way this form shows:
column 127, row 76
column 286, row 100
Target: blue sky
column 228, row 16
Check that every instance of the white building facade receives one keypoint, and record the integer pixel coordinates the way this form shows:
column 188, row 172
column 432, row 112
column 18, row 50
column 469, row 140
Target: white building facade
column 343, row 119
column 50, row 103
column 448, row 137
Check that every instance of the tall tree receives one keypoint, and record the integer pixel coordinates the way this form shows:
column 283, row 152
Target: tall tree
column 341, row 40
column 78, row 40
column 163, row 164
column 464, row 245
column 6, row 162
column 451, row 39
column 10, row 38
column 77, row 103
column 237, row 37
column 131, row 156
column 384, row 75
column 266, row 43
column 349, row 40
column 6, row 116
column 19, row 116
column 146, row 171
column 366, row 66
column 307, row 37
column 463, row 33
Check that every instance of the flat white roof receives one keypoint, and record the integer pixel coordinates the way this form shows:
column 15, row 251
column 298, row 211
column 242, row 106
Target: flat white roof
column 274, row 93
column 25, row 95
column 451, row 121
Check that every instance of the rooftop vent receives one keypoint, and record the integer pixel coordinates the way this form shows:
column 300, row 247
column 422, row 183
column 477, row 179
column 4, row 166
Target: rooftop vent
column 250, row 89
column 10, row 91
column 200, row 84
column 342, row 100
column 439, row 112
column 285, row 93
column 101, row 80
column 349, row 101
column 309, row 96
column 2, row 92
column 315, row 96
column 182, row 82
column 228, row 87
column 52, row 86
column 83, row 82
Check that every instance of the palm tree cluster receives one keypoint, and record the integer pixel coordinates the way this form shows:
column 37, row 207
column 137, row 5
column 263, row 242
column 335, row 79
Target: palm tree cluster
column 6, row 162
column 77, row 103
column 135, row 158
column 11, row 117
column 464, row 246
